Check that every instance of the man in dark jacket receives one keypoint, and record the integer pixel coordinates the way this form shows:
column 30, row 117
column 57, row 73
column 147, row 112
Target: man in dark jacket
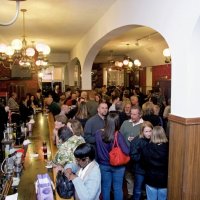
column 52, row 106
column 95, row 123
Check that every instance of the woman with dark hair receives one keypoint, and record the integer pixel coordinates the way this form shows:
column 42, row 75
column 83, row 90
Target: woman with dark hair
column 87, row 180
column 111, row 176
column 70, row 138
column 24, row 111
column 98, row 98
column 82, row 113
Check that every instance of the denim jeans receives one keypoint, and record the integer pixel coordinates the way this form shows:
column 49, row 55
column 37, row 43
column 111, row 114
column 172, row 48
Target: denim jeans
column 156, row 193
column 112, row 176
column 129, row 181
column 138, row 184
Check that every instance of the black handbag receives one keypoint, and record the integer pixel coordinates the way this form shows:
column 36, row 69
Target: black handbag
column 64, row 187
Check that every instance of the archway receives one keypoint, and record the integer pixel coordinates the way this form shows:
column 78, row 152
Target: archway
column 73, row 73
column 149, row 51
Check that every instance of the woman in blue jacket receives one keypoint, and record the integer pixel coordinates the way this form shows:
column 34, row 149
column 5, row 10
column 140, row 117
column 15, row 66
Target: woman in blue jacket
column 111, row 176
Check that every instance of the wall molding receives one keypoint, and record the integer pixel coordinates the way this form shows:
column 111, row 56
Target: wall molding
column 184, row 121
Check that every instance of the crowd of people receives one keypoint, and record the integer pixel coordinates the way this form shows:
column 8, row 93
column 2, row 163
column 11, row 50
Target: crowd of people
column 85, row 124
column 142, row 124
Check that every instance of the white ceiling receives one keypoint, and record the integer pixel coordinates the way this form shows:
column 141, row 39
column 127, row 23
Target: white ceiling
column 61, row 24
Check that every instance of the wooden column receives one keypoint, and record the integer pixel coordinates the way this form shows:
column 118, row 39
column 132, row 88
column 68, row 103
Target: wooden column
column 184, row 159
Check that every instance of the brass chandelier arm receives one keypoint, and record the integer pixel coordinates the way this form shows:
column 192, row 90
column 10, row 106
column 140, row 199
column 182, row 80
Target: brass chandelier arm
column 15, row 17
column 4, row 66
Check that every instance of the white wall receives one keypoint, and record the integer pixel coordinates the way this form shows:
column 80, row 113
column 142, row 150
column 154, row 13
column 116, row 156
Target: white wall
column 175, row 20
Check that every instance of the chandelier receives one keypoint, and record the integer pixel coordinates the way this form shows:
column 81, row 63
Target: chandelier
column 16, row 14
column 20, row 53
column 127, row 64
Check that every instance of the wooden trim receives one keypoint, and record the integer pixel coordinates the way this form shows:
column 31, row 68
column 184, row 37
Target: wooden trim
column 184, row 121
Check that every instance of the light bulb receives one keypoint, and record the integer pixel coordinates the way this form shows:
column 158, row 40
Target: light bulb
column 166, row 52
column 9, row 51
column 40, row 75
column 117, row 63
column 120, row 64
column 137, row 63
column 30, row 52
column 44, row 63
column 40, row 47
column 46, row 50
column 125, row 61
column 130, row 64
column 3, row 48
column 16, row 44
column 38, row 62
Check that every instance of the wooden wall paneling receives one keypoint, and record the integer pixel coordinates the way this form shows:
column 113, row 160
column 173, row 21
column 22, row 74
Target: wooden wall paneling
column 176, row 160
column 184, row 159
column 191, row 171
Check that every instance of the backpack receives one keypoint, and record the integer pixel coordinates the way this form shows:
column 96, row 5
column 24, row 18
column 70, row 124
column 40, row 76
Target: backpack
column 43, row 187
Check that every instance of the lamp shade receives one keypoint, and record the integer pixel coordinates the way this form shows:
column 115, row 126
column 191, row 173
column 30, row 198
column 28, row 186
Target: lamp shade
column 30, row 51
column 16, row 44
column 125, row 61
column 40, row 74
column 40, row 47
column 166, row 52
column 120, row 64
column 3, row 48
column 9, row 51
column 137, row 63
column 46, row 49
column 130, row 64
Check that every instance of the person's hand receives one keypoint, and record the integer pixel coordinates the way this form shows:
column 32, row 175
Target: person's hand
column 69, row 125
column 71, row 176
column 130, row 138
column 68, row 173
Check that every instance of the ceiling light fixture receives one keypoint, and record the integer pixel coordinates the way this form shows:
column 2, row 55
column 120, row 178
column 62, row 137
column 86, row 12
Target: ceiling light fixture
column 16, row 14
column 127, row 64
column 22, row 54
column 167, row 55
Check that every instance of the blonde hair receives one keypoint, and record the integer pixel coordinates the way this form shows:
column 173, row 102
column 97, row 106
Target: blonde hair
column 158, row 135
column 147, row 108
column 156, row 109
column 145, row 124
column 61, row 118
column 76, row 127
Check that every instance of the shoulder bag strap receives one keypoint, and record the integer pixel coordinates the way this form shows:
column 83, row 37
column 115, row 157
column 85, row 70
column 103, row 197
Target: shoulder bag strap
column 115, row 139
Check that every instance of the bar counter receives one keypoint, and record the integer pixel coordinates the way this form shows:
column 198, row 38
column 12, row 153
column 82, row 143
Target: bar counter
column 35, row 165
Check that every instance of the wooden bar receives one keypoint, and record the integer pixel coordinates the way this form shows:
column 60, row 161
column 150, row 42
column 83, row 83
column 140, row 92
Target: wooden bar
column 34, row 165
